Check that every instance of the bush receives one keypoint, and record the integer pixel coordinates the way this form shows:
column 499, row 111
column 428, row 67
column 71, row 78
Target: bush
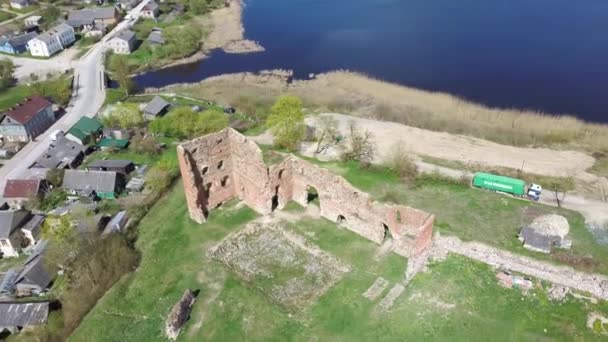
column 434, row 178
column 184, row 123
column 400, row 162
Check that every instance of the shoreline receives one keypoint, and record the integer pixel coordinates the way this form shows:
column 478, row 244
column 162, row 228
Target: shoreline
column 227, row 34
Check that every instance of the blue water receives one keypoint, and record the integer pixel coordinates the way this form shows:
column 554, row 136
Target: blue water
column 545, row 55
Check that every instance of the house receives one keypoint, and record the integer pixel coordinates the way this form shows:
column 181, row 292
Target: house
column 8, row 281
column 117, row 223
column 87, row 17
column 85, row 131
column 150, row 10
column 156, row 37
column 62, row 154
column 123, row 42
column 117, row 133
column 120, row 166
column 20, row 4
column 32, row 230
column 34, row 279
column 108, row 143
column 16, row 44
column 27, row 120
column 10, row 222
column 105, row 184
column 52, row 41
column 19, row 191
column 16, row 316
column 128, row 4
column 33, row 20
column 156, row 108
column 97, row 30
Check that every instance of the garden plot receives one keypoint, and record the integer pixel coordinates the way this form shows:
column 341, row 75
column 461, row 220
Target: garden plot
column 284, row 266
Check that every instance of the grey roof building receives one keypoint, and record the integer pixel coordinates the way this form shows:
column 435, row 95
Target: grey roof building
column 34, row 278
column 17, row 43
column 90, row 16
column 104, row 183
column 8, row 281
column 122, row 42
column 10, row 220
column 15, row 316
column 156, row 37
column 156, row 108
column 63, row 153
column 116, row 165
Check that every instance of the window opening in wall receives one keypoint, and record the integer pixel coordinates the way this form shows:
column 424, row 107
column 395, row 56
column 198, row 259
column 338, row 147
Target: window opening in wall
column 205, row 169
column 219, row 205
column 275, row 199
column 225, row 181
column 281, row 174
column 341, row 219
column 220, row 165
column 387, row 232
column 312, row 195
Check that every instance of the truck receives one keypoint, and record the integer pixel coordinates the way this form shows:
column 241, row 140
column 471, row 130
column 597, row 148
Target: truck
column 498, row 183
column 514, row 186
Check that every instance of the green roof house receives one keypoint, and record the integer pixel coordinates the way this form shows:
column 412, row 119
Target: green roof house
column 85, row 131
column 106, row 143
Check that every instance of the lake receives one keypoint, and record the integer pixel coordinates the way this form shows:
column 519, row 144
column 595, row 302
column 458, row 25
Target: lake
column 545, row 55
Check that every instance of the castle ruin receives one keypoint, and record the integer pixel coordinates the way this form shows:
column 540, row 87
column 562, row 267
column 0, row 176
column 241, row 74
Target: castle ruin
column 221, row 166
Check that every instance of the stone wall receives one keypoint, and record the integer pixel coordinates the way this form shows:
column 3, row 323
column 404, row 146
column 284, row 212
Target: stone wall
column 226, row 165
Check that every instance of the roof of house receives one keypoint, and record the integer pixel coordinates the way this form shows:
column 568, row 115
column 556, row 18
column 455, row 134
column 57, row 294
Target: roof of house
column 23, row 314
column 46, row 37
column 111, row 163
column 533, row 240
column 150, row 6
column 85, row 127
column 156, row 37
column 21, row 2
column 34, row 223
column 93, row 180
column 8, row 280
column 20, row 40
column 60, row 154
column 35, row 273
column 88, row 14
column 21, row 188
column 111, row 142
column 25, row 111
column 61, row 28
column 156, row 106
column 11, row 220
column 126, row 35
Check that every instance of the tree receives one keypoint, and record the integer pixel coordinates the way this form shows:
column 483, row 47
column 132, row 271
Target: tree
column 327, row 133
column 57, row 88
column 50, row 14
column 124, row 115
column 361, row 145
column 55, row 177
column 7, row 68
column 198, row 6
column 121, row 71
column 560, row 187
column 286, row 122
column 145, row 144
column 182, row 41
column 183, row 122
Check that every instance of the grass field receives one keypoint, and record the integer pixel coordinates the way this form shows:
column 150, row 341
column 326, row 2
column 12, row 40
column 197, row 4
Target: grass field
column 457, row 300
column 14, row 95
column 4, row 16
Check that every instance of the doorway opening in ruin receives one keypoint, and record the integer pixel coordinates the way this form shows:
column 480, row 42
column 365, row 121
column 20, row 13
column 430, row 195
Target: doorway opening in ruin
column 312, row 195
column 387, row 233
column 341, row 219
column 275, row 199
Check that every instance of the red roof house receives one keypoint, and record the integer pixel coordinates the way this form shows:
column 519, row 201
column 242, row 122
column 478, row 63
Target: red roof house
column 22, row 189
column 19, row 124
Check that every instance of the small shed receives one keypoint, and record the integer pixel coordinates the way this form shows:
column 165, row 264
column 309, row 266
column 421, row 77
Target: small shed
column 546, row 232
column 117, row 223
column 16, row 316
column 135, row 185
column 117, row 165
column 156, row 108
column 85, row 131
column 107, row 143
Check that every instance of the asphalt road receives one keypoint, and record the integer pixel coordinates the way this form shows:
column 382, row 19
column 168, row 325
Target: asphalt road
column 87, row 98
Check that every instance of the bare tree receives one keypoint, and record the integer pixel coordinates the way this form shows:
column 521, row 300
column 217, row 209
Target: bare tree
column 362, row 147
column 560, row 187
column 327, row 135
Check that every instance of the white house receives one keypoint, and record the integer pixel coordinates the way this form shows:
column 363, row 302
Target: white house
column 52, row 41
column 150, row 10
column 123, row 42
column 19, row 4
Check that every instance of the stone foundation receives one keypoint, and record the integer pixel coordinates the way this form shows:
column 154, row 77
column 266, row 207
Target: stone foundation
column 226, row 165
